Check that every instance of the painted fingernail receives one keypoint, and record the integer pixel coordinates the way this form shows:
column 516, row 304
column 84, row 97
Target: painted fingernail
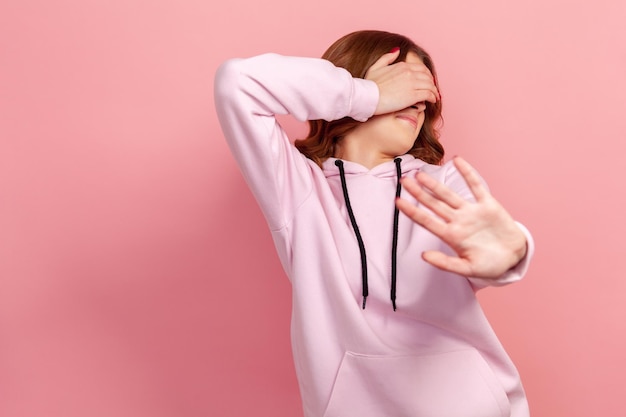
column 394, row 50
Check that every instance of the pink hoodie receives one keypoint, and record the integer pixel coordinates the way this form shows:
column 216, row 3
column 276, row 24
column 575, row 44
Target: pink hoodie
column 437, row 354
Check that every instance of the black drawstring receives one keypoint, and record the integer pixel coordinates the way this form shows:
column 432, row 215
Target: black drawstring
column 394, row 244
column 342, row 175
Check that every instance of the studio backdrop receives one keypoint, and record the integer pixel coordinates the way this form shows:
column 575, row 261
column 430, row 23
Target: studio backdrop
column 137, row 275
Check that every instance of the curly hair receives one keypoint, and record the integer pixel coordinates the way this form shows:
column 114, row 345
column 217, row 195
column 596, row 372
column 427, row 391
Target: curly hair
column 357, row 52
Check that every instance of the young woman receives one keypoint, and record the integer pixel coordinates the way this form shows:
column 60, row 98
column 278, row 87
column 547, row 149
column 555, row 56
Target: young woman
column 385, row 321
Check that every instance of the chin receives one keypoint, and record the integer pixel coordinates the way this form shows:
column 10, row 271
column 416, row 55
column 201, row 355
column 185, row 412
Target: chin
column 401, row 150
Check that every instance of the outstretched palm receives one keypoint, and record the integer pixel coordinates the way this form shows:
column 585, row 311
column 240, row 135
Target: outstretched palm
column 483, row 234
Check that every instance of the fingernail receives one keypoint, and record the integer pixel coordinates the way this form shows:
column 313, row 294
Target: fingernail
column 394, row 50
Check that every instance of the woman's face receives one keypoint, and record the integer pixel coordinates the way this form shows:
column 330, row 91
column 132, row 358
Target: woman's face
column 391, row 134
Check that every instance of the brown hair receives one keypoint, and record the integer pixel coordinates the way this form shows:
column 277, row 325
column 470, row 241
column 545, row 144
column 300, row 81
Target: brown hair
column 357, row 52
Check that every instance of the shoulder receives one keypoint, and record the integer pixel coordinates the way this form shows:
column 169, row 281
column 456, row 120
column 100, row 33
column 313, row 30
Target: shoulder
column 442, row 173
column 449, row 175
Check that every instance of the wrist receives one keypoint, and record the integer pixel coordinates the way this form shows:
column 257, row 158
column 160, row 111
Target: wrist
column 520, row 252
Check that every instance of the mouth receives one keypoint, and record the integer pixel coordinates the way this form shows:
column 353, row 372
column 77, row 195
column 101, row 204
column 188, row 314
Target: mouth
column 409, row 119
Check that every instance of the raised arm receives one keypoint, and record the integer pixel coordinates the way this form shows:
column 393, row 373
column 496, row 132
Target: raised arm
column 248, row 95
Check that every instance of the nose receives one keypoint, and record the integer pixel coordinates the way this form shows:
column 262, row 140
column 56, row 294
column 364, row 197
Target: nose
column 420, row 107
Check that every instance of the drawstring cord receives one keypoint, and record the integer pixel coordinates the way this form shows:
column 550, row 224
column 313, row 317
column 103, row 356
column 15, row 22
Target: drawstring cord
column 394, row 246
column 342, row 174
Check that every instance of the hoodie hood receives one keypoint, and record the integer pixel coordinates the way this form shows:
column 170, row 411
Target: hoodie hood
column 384, row 170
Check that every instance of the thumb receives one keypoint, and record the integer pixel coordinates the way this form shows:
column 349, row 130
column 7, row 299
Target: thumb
column 447, row 263
column 386, row 59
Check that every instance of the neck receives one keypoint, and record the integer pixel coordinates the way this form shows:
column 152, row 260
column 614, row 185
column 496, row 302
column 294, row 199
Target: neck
column 368, row 160
column 358, row 152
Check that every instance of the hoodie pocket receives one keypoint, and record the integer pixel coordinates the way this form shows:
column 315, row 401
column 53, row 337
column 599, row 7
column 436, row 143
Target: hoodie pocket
column 452, row 384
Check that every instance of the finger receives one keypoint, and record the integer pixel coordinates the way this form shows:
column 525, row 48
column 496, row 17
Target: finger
column 425, row 91
column 472, row 178
column 440, row 190
column 423, row 78
column 425, row 95
column 385, row 60
column 438, row 207
column 422, row 217
column 448, row 263
column 423, row 72
column 431, row 95
column 419, row 68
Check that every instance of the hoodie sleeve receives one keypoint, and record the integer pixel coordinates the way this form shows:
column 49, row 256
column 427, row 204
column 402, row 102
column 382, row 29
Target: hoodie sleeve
column 250, row 92
column 456, row 182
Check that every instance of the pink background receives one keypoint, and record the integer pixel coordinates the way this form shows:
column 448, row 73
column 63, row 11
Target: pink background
column 137, row 277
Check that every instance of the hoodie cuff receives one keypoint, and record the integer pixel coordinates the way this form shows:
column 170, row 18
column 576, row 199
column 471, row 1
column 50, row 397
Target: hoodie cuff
column 364, row 99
